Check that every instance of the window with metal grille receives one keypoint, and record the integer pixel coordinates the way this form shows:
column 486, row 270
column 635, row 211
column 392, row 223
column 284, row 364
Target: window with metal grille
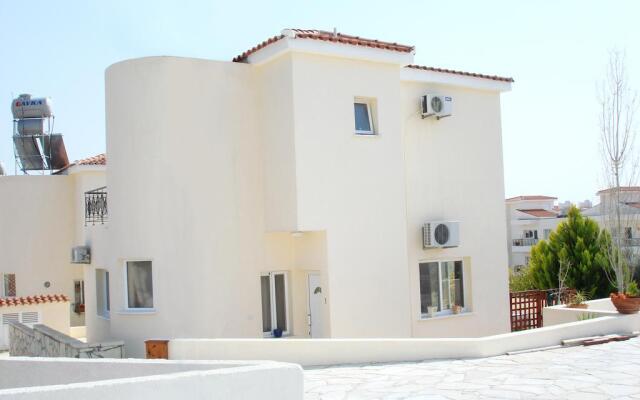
column 9, row 285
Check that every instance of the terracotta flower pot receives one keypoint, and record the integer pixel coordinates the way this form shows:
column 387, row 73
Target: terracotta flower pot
column 577, row 305
column 625, row 304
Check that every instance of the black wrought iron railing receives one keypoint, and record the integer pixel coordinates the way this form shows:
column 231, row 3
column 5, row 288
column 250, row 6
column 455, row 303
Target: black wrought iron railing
column 525, row 242
column 95, row 206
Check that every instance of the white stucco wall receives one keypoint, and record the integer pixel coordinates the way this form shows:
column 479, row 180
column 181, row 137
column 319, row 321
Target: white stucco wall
column 51, row 379
column 352, row 187
column 185, row 191
column 454, row 172
column 37, row 222
column 310, row 352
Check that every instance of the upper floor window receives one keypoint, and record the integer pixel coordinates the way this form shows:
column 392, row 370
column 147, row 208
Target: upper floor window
column 95, row 206
column 364, row 116
column 139, row 282
column 8, row 285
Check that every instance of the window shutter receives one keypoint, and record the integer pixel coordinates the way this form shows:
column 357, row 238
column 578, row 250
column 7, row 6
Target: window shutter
column 30, row 317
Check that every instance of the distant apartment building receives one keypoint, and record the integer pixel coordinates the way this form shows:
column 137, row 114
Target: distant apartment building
column 605, row 214
column 531, row 218
column 317, row 185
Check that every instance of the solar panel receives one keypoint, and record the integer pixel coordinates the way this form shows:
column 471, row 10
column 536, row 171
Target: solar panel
column 55, row 151
column 28, row 151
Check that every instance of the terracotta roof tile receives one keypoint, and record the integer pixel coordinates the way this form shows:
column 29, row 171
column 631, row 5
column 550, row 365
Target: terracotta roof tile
column 327, row 36
column 533, row 197
column 452, row 71
column 100, row 159
column 29, row 300
column 539, row 212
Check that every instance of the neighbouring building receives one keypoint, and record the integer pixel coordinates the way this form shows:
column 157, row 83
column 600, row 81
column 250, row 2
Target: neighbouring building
column 604, row 213
column 41, row 219
column 531, row 218
column 307, row 188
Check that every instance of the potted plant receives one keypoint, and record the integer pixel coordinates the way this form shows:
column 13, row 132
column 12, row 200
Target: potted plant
column 627, row 302
column 456, row 309
column 578, row 301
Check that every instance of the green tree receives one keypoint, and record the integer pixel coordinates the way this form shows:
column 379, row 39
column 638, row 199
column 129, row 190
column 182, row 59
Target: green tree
column 576, row 252
column 521, row 281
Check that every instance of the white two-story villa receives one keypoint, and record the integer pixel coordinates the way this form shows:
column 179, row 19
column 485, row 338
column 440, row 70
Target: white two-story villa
column 318, row 185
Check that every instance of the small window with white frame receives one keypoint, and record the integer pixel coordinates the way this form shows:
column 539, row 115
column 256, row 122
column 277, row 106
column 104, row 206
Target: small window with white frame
column 365, row 116
column 103, row 306
column 139, row 285
column 441, row 288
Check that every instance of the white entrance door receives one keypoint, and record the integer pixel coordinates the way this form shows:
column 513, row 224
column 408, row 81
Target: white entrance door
column 316, row 298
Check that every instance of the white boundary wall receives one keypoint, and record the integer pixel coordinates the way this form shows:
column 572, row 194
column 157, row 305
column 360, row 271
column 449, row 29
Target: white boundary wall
column 147, row 379
column 562, row 314
column 309, row 352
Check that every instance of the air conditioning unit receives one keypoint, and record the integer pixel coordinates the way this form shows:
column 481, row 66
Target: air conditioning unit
column 440, row 234
column 81, row 255
column 436, row 105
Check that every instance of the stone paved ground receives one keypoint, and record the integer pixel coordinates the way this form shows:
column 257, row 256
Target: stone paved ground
column 608, row 371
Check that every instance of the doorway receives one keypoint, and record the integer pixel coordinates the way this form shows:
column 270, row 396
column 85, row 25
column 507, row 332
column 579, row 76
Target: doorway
column 316, row 299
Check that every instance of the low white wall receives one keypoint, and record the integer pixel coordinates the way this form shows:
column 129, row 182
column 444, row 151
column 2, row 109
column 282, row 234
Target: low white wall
column 78, row 332
column 310, row 352
column 561, row 314
column 53, row 379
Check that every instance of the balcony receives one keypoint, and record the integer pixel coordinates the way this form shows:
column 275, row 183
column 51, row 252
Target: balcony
column 630, row 242
column 524, row 242
column 95, row 206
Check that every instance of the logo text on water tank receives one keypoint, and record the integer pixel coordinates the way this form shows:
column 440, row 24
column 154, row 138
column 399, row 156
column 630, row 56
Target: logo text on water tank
column 28, row 103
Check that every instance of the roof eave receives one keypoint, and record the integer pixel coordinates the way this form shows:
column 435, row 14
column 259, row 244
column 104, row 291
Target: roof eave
column 320, row 47
column 454, row 79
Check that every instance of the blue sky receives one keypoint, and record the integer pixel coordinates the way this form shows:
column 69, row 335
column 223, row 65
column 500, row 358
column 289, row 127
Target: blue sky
column 556, row 51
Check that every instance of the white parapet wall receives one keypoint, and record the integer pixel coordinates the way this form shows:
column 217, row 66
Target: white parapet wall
column 58, row 379
column 562, row 314
column 310, row 352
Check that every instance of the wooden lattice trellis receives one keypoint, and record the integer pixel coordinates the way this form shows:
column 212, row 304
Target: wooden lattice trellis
column 526, row 307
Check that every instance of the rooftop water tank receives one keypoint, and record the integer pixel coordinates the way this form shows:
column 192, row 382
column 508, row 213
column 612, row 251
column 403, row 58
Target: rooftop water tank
column 26, row 106
column 31, row 126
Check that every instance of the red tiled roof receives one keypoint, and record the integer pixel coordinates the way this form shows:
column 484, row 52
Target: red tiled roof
column 539, row 212
column 100, row 159
column 327, row 36
column 534, row 197
column 622, row 189
column 29, row 300
column 451, row 71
